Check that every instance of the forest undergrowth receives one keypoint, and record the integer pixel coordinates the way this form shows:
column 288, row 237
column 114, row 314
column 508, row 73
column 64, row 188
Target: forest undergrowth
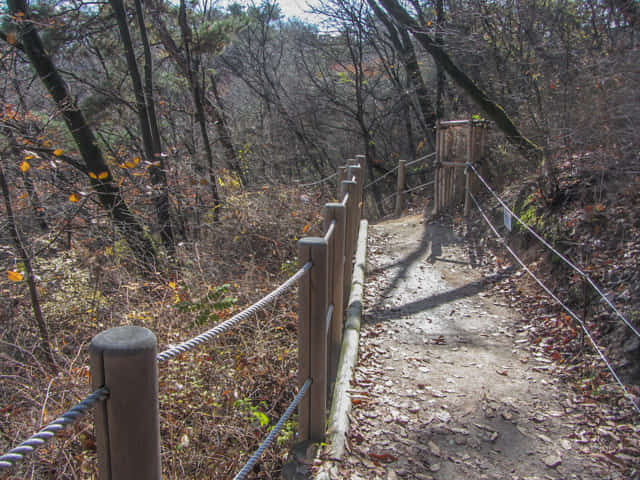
column 596, row 226
column 218, row 401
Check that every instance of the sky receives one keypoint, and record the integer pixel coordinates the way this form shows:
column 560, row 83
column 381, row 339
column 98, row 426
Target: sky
column 296, row 8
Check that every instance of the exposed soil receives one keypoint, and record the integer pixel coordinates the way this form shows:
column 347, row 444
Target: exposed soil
column 447, row 384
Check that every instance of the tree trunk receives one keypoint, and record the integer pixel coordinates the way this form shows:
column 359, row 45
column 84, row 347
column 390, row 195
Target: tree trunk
column 109, row 194
column 45, row 343
column 402, row 43
column 146, row 116
column 494, row 111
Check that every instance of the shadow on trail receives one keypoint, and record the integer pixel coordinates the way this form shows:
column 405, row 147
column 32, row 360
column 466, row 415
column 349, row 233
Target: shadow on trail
column 433, row 239
column 436, row 300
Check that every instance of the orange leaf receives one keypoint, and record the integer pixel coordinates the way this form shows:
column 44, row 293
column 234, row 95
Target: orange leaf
column 14, row 276
column 57, row 152
column 588, row 208
column 383, row 457
column 24, row 166
column 600, row 207
column 103, row 175
column 93, row 175
column 306, row 228
column 74, row 198
column 11, row 38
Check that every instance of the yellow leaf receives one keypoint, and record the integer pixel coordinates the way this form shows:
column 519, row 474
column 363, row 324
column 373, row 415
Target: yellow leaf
column 92, row 175
column 23, row 196
column 136, row 160
column 172, row 285
column 14, row 276
column 11, row 38
column 103, row 175
column 221, row 182
column 305, row 229
column 47, row 143
column 29, row 157
column 24, row 166
column 57, row 152
column 74, row 198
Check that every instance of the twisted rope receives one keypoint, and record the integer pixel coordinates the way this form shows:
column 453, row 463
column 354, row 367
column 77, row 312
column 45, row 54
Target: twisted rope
column 16, row 454
column 227, row 324
column 565, row 307
column 326, row 179
column 274, row 432
column 565, row 259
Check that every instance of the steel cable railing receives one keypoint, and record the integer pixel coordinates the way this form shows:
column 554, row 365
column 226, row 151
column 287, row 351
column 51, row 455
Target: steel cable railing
column 227, row 324
column 560, row 255
column 47, row 433
column 274, row 432
column 421, row 159
column 584, row 328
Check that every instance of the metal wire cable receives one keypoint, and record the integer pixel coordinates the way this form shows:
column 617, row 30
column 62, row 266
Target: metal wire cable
column 16, row 454
column 326, row 179
column 565, row 259
column 274, row 432
column 413, row 189
column 561, row 303
column 421, row 159
column 227, row 324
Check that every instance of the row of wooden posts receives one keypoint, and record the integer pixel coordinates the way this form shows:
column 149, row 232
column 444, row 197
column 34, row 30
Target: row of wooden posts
column 124, row 359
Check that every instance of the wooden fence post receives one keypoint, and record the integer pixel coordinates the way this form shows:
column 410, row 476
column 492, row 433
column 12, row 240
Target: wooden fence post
column 336, row 212
column 312, row 338
column 127, row 424
column 362, row 162
column 437, row 190
column 349, row 187
column 342, row 176
column 400, row 187
column 467, row 172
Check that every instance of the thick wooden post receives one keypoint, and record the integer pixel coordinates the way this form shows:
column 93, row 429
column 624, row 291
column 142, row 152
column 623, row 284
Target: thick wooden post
column 349, row 187
column 335, row 212
column 342, row 176
column 357, row 172
column 312, row 338
column 127, row 424
column 467, row 172
column 400, row 187
column 362, row 162
column 437, row 189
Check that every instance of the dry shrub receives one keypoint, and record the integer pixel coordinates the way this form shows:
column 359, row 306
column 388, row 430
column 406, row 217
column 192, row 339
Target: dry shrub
column 217, row 402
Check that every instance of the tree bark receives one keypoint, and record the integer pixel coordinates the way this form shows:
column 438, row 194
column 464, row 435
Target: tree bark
column 493, row 110
column 402, row 43
column 109, row 194
column 146, row 116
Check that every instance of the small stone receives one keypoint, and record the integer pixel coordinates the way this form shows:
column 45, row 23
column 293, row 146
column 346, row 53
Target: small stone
column 552, row 461
column 435, row 467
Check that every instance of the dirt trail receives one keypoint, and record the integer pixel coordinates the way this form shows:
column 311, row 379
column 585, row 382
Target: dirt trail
column 446, row 387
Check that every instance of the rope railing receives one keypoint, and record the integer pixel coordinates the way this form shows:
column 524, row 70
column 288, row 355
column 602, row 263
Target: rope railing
column 573, row 315
column 274, row 432
column 227, row 324
column 556, row 252
column 318, row 182
column 37, row 440
column 124, row 360
column 330, row 230
column 408, row 190
column 381, row 177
